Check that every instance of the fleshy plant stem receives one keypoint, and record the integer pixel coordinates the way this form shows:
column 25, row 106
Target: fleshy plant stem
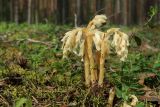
column 87, row 70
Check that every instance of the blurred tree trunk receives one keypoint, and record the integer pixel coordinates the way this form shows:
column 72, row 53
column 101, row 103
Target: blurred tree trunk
column 109, row 9
column 159, row 12
column 72, row 11
column 36, row 12
column 55, row 12
column 98, row 5
column 117, row 11
column 79, row 11
column 84, row 15
column 140, row 11
column 20, row 4
column 33, row 11
column 124, row 12
column 92, row 6
column 11, row 10
column 1, row 10
column 41, row 7
column 64, row 11
column 29, row 11
column 129, row 15
column 16, row 11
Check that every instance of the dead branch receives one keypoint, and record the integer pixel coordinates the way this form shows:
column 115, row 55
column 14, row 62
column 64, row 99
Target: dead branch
column 41, row 42
column 112, row 93
column 36, row 101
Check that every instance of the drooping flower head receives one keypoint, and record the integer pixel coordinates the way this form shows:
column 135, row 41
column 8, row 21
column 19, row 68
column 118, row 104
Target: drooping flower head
column 97, row 21
column 74, row 40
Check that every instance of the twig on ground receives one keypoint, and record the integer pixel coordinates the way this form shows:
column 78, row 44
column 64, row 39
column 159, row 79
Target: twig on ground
column 36, row 101
column 47, row 105
column 112, row 93
column 37, row 41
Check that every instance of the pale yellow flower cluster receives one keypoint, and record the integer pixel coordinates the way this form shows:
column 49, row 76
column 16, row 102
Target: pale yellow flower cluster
column 120, row 41
column 71, row 41
column 82, row 41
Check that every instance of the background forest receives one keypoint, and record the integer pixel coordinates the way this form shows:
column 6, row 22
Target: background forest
column 33, row 73
column 126, row 12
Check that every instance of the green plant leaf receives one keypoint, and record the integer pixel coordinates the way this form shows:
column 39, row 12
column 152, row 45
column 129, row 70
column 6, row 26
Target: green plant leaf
column 118, row 93
column 157, row 65
column 140, row 104
column 124, row 88
column 22, row 101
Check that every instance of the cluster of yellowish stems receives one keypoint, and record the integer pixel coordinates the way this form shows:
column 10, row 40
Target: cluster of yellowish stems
column 93, row 61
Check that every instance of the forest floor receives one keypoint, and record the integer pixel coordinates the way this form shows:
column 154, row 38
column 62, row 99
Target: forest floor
column 32, row 69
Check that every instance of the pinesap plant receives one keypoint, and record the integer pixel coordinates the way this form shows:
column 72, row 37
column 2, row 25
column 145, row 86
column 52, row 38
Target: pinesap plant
column 93, row 46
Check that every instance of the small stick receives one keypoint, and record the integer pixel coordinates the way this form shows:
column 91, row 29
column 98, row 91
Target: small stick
column 36, row 101
column 37, row 41
column 112, row 93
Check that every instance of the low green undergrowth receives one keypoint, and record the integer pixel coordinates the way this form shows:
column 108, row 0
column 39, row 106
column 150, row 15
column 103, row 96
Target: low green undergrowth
column 36, row 71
